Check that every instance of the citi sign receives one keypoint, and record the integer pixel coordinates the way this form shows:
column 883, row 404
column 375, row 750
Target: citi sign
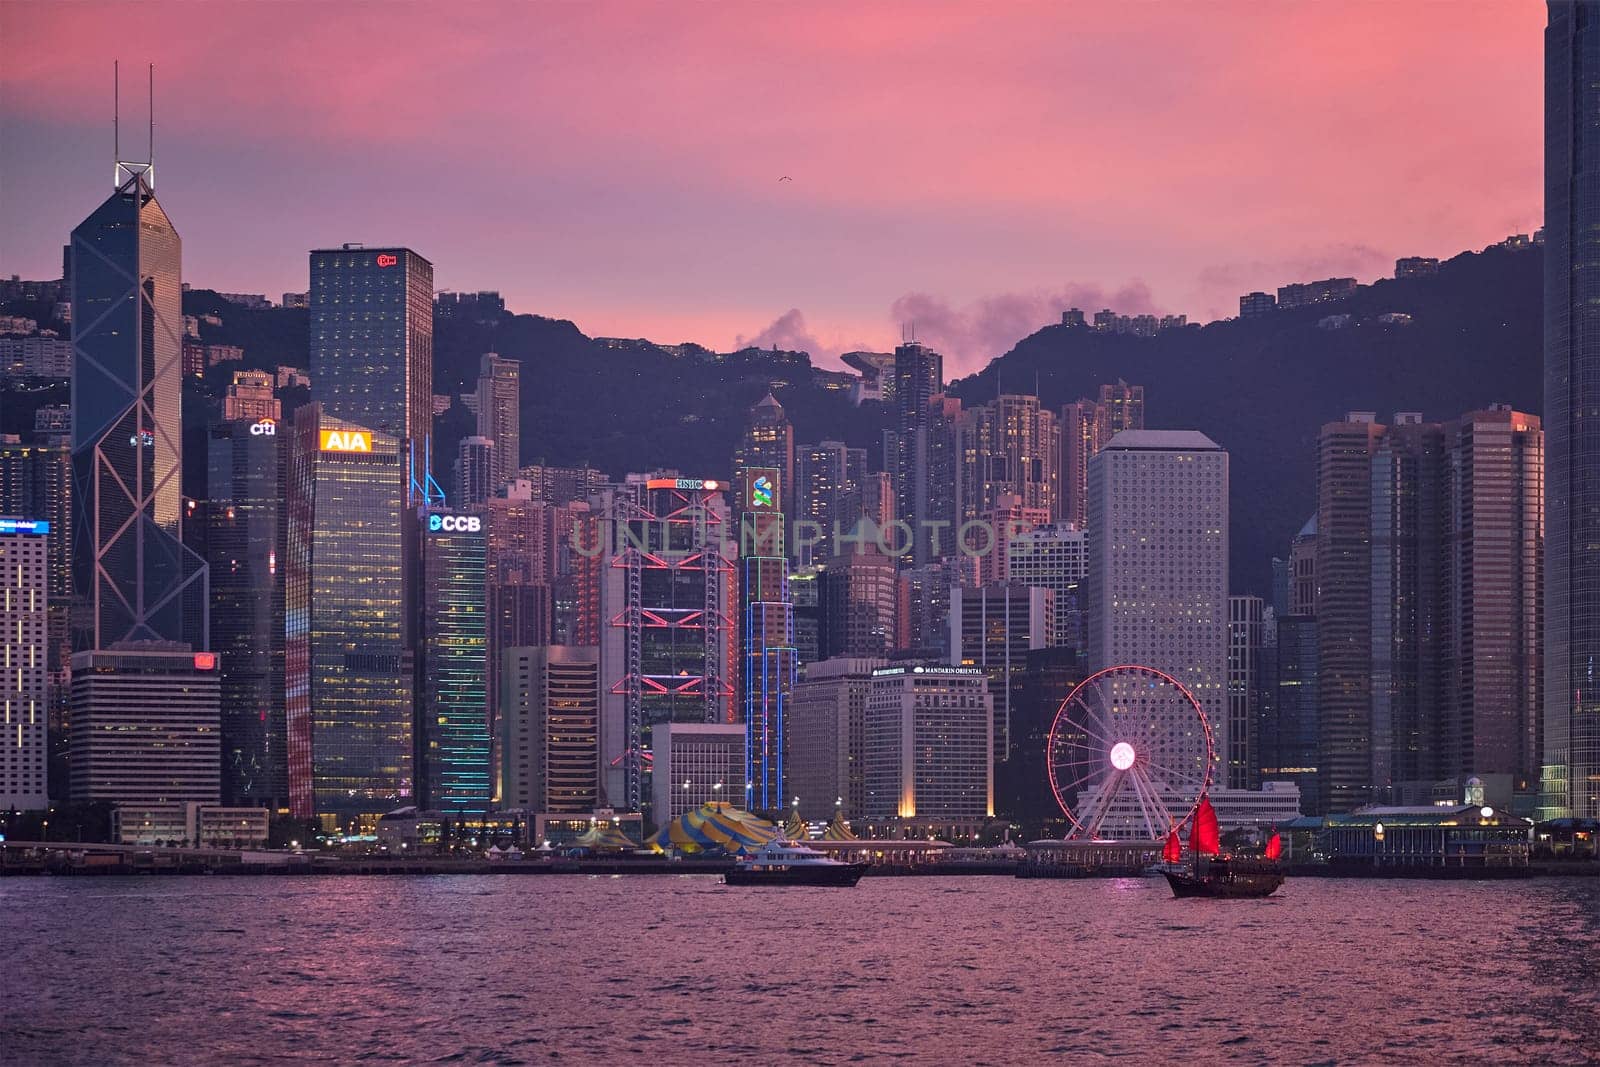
column 455, row 523
column 264, row 428
column 346, row 441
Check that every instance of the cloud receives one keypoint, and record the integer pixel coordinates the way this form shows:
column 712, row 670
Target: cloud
column 1221, row 284
column 788, row 332
column 969, row 336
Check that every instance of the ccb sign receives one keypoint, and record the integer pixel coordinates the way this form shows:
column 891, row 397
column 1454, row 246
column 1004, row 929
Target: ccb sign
column 455, row 523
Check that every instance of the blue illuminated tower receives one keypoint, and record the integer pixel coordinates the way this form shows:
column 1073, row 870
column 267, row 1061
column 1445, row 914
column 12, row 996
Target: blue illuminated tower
column 768, row 635
column 453, row 665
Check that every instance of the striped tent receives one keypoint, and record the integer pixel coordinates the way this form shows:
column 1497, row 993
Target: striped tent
column 838, row 830
column 716, row 827
column 605, row 837
column 795, row 829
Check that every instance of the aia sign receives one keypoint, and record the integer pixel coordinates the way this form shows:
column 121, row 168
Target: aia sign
column 386, row 260
column 346, row 441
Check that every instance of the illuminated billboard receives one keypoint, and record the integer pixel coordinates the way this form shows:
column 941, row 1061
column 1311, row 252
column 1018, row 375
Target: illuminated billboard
column 346, row 441
column 684, row 483
column 24, row 526
column 454, row 523
column 759, row 489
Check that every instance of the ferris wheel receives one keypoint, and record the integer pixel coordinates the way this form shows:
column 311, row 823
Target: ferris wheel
column 1130, row 755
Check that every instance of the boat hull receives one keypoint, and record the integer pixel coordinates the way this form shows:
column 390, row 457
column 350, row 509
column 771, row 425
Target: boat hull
column 842, row 874
column 1224, row 884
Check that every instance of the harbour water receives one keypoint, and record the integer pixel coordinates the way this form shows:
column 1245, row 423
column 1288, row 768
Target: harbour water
column 681, row 970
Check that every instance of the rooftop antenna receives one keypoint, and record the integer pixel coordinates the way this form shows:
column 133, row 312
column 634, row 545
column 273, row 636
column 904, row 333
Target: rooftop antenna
column 116, row 116
column 151, row 157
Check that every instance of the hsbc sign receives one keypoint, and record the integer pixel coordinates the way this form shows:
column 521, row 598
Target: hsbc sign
column 455, row 523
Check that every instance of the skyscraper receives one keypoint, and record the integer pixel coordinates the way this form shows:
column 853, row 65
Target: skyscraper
column 861, row 606
column 827, row 731
column 769, row 442
column 476, row 459
column 829, row 478
column 36, row 482
column 246, row 532
column 550, row 733
column 145, row 726
column 1158, row 562
column 767, row 636
column 669, row 598
column 135, row 578
column 992, row 628
column 928, row 744
column 1493, row 704
column 1571, row 772
column 453, row 757
column 348, row 641
column 1246, row 651
column 500, row 414
column 24, row 635
column 372, row 348
column 1008, row 447
column 1344, row 610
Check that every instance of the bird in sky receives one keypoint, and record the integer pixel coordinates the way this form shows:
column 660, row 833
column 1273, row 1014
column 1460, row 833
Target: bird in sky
column 786, row 178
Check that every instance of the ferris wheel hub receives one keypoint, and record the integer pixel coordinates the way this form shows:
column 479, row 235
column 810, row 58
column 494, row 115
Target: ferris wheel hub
column 1122, row 755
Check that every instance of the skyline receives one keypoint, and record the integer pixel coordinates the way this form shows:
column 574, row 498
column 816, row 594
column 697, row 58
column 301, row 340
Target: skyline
column 967, row 230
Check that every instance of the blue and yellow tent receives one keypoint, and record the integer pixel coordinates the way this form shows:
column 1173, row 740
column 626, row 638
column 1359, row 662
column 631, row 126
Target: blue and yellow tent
column 605, row 837
column 716, row 827
column 838, row 830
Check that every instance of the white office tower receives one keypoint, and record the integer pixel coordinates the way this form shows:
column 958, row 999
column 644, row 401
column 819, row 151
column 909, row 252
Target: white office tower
column 24, row 587
column 1158, row 564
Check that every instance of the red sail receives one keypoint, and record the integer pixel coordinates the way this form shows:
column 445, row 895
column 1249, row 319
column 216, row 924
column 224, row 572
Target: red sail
column 1274, row 847
column 1205, row 839
column 1173, row 853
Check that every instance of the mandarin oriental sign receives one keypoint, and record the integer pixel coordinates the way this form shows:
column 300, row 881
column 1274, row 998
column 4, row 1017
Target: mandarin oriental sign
column 346, row 441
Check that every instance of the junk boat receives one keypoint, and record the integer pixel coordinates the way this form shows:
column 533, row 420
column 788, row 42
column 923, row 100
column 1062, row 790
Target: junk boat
column 1213, row 874
column 790, row 863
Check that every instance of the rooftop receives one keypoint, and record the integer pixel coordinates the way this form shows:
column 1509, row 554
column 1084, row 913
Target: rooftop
column 1162, row 441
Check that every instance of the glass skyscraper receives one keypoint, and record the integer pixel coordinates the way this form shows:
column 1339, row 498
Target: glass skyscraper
column 245, row 551
column 372, row 346
column 349, row 670
column 1571, row 772
column 452, row 684
column 133, row 576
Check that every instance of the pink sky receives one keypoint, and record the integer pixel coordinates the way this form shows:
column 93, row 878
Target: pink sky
column 976, row 166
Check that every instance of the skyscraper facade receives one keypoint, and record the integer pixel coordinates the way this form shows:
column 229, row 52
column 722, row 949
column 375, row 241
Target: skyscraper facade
column 146, row 725
column 1158, row 563
column 453, row 750
column 992, row 628
column 1246, row 652
column 767, row 637
column 24, row 683
column 476, row 459
column 348, row 642
column 372, row 347
column 500, row 414
column 136, row 579
column 246, row 532
column 550, row 729
column 827, row 732
column 769, row 442
column 928, row 744
column 1009, row 447
column 1571, row 763
column 669, row 598
column 1494, row 669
